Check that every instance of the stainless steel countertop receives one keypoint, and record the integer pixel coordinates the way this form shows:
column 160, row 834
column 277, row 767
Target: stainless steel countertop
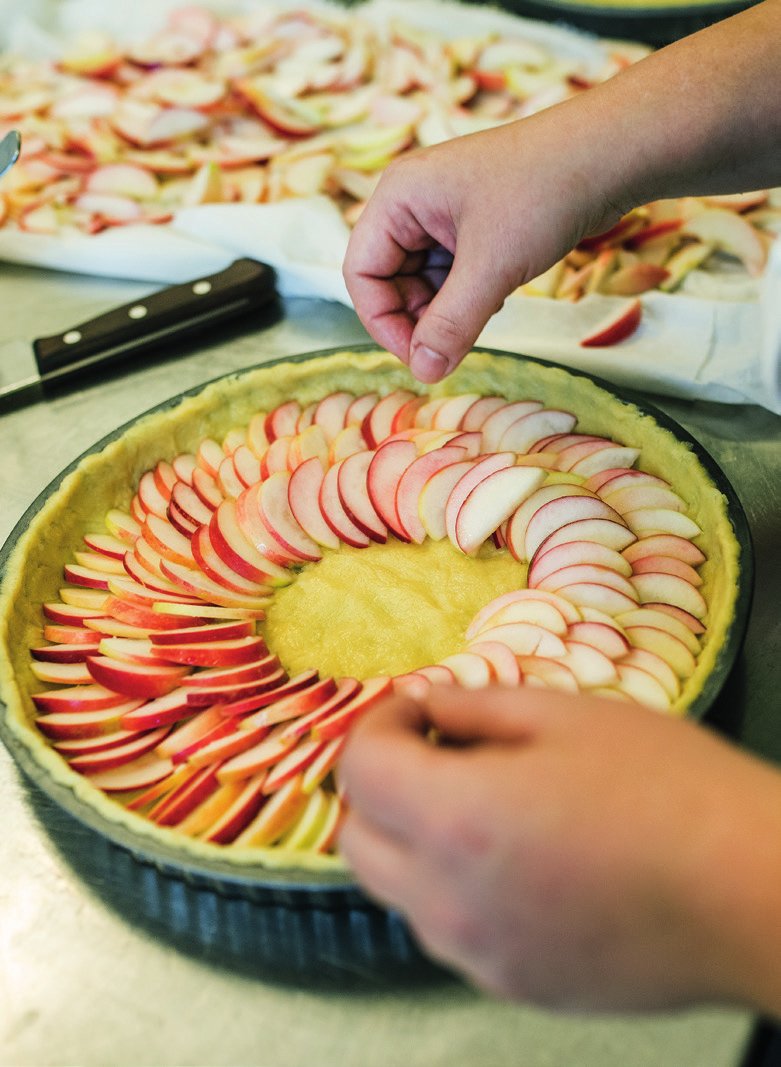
column 96, row 969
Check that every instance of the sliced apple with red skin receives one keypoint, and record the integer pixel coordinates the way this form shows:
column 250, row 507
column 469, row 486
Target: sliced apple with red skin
column 206, row 488
column 524, row 639
column 228, row 652
column 212, row 808
column 130, row 590
column 303, row 500
column 647, row 522
column 117, row 756
column 636, row 278
column 163, row 711
column 611, row 534
column 242, row 672
column 670, row 589
column 372, row 690
column 262, row 755
column 87, row 745
column 491, row 503
column 331, row 412
column 148, row 618
column 311, row 822
column 665, row 645
column 538, row 612
column 667, row 565
column 411, row 484
column 590, row 666
column 346, row 689
column 503, row 663
column 353, row 492
column 449, row 415
column 276, row 816
column 591, row 573
column 70, row 615
column 230, row 744
column 281, row 689
column 478, row 470
column 97, row 561
column 309, row 443
column 605, row 481
column 91, row 579
column 81, row 712
column 562, row 511
column 303, row 701
column 412, row 684
column 478, row 412
column 632, row 497
column 515, row 534
column 122, row 526
column 276, row 514
column 87, row 637
column 434, row 495
column 437, row 674
column 200, row 731
column 604, row 597
column 245, row 805
column 386, row 469
column 186, row 500
column 547, row 673
column 663, row 620
column 615, row 327
column 590, row 457
column 607, row 639
column 266, row 552
column 657, row 667
column 499, row 421
column 695, row 624
column 185, row 799
column 133, row 679
column 128, row 649
column 528, row 429
column 334, row 513
column 470, row 669
column 294, row 762
column 217, row 570
column 149, row 496
column 106, row 544
column 138, row 774
column 228, row 695
column 240, row 538
column 62, row 653
column 675, row 547
column 478, row 622
column 730, row 232
column 572, row 552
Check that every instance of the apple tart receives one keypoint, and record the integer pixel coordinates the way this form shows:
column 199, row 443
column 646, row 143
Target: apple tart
column 201, row 606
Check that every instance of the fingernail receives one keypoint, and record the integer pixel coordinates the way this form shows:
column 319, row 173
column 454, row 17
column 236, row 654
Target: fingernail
column 427, row 365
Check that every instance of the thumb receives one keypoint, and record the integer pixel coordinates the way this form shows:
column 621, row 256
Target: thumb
column 472, row 292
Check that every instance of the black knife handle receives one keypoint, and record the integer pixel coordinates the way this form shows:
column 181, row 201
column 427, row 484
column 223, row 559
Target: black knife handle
column 245, row 285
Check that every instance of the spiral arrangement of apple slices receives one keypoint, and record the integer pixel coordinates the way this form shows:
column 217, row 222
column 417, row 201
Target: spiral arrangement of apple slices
column 162, row 692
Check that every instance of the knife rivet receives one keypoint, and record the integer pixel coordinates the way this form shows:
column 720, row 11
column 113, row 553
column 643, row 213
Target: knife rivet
column 201, row 288
column 72, row 337
column 137, row 312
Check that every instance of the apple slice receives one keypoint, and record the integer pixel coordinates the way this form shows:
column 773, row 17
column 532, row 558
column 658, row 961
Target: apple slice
column 138, row 774
column 434, row 495
column 604, row 597
column 240, row 538
column 670, row 589
column 310, row 823
column 598, row 574
column 118, row 755
column 84, row 746
column 246, row 800
column 411, row 485
column 135, row 680
column 667, row 565
column 562, row 511
column 477, row 472
column 65, row 721
column 62, row 653
column 353, row 491
column 183, row 800
column 656, row 667
column 478, row 622
column 331, row 412
column 372, row 690
column 378, row 421
column 590, row 666
column 605, row 481
column 232, row 696
column 548, row 673
column 647, row 522
column 162, row 711
column 303, row 499
column 224, row 653
column 334, row 513
column 524, row 639
column 665, row 645
column 663, row 620
column 503, row 663
column 276, row 816
column 499, row 421
column 607, row 532
column 730, row 232
column 537, row 612
column 615, row 327
column 572, row 552
column 386, row 469
column 478, row 412
column 228, row 745
column 301, row 702
column 470, row 669
column 217, row 570
column 528, row 429
column 632, row 497
column 275, row 513
column 449, row 414
column 665, row 545
column 262, row 755
column 602, row 636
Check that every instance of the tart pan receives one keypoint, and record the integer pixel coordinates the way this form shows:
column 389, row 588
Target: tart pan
column 332, row 890
column 651, row 24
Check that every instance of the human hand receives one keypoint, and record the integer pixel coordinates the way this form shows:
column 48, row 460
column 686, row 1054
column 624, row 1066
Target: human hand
column 452, row 230
column 577, row 853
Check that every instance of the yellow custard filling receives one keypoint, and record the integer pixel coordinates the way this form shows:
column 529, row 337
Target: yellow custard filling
column 386, row 609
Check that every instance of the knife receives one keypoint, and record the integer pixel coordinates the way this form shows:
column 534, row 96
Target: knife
column 171, row 313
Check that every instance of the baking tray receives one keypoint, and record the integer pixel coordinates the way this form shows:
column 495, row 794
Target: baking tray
column 337, row 892
column 652, row 25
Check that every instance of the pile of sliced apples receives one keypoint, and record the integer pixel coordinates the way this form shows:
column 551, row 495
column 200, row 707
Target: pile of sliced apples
column 268, row 106
column 161, row 691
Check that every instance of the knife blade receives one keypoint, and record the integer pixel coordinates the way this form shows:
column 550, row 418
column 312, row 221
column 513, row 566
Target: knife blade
column 169, row 314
